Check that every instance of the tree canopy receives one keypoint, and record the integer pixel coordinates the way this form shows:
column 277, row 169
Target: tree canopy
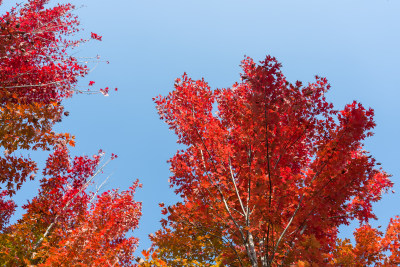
column 268, row 171
column 65, row 224
column 271, row 170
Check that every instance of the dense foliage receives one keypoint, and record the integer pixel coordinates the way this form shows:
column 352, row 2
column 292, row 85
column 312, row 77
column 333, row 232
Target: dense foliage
column 271, row 170
column 65, row 224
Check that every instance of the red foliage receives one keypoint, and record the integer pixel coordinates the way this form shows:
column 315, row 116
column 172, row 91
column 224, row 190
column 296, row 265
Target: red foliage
column 7, row 208
column 66, row 224
column 270, row 167
column 36, row 73
column 36, row 65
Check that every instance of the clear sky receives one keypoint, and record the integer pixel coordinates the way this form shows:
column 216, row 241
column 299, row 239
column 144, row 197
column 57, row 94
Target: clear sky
column 354, row 43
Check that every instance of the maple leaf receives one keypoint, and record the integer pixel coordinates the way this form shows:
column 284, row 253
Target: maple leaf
column 95, row 36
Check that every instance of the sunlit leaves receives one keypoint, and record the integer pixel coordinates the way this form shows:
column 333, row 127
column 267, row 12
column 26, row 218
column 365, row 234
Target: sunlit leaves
column 65, row 224
column 270, row 170
column 372, row 248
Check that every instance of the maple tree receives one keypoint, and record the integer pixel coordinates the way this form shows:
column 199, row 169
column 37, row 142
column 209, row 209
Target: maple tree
column 269, row 173
column 66, row 224
column 37, row 71
column 372, row 247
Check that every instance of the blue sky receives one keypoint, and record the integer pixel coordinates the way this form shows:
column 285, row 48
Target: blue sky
column 355, row 44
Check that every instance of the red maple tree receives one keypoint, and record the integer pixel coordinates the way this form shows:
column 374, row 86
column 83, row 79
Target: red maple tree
column 271, row 170
column 65, row 224
column 37, row 71
column 68, row 225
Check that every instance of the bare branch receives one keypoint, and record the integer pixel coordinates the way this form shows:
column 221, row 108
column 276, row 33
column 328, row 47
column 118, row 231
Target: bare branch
column 236, row 189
